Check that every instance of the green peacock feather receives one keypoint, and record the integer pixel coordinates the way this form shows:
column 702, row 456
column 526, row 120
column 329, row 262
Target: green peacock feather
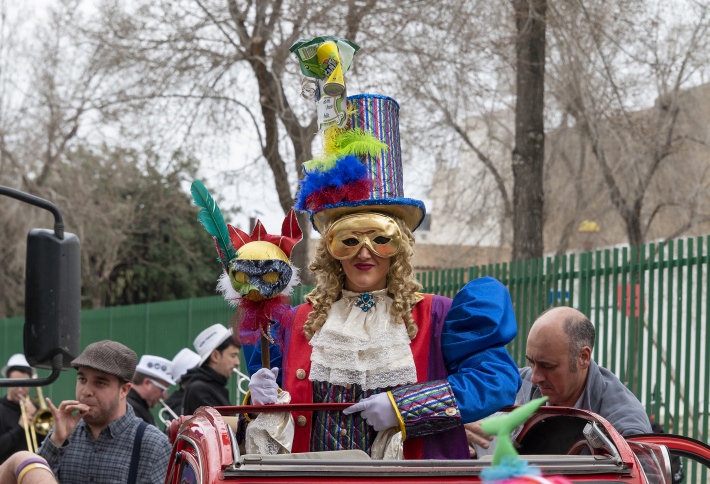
column 211, row 218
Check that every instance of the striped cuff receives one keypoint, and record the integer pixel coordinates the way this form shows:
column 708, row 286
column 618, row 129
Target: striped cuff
column 427, row 408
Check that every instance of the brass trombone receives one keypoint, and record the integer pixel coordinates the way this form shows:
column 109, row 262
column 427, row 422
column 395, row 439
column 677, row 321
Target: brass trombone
column 26, row 425
column 41, row 421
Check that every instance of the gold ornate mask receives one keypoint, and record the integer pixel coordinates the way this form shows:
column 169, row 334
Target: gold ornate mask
column 379, row 233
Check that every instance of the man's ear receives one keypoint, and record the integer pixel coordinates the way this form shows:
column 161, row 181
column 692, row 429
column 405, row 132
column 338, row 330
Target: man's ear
column 215, row 355
column 585, row 357
column 125, row 388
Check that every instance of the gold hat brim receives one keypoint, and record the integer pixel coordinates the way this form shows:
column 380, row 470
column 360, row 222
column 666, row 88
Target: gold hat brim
column 409, row 210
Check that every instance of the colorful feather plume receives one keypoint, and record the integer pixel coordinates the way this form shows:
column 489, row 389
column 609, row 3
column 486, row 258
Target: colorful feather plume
column 345, row 142
column 349, row 180
column 211, row 218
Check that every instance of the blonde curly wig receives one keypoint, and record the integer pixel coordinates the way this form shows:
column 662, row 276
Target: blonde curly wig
column 330, row 278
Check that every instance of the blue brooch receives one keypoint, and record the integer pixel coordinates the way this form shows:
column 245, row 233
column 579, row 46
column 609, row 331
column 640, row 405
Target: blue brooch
column 365, row 301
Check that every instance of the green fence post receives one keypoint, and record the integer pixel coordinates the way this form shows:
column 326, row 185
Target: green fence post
column 641, row 323
column 632, row 354
column 534, row 310
column 669, row 337
column 650, row 360
column 519, row 314
column 624, row 310
column 529, row 270
column 662, row 274
column 698, row 339
column 687, row 343
column 598, row 276
column 706, row 393
column 678, row 339
column 540, row 284
column 572, row 275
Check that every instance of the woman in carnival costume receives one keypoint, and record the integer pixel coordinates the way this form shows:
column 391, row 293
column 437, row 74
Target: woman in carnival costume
column 415, row 363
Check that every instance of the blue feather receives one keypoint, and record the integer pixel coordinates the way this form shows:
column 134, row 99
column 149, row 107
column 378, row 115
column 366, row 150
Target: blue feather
column 347, row 170
column 211, row 218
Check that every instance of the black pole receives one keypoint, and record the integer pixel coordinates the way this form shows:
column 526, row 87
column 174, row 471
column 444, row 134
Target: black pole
column 38, row 202
column 36, row 382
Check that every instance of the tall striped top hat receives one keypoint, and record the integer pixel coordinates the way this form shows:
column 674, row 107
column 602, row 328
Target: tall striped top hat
column 363, row 181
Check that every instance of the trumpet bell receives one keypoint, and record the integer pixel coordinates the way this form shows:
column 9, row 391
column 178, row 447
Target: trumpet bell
column 42, row 421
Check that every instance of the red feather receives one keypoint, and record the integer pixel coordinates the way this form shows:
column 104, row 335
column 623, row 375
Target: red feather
column 359, row 190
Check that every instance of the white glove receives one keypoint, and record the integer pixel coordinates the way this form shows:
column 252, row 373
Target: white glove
column 377, row 411
column 263, row 387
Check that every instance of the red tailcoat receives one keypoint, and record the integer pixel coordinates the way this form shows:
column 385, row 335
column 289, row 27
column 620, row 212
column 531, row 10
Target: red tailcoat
column 301, row 390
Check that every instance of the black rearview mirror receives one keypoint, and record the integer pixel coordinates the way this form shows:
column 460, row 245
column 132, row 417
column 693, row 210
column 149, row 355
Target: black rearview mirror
column 52, row 296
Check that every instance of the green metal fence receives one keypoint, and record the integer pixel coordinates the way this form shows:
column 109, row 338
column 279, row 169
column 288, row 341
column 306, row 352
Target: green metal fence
column 648, row 304
column 659, row 351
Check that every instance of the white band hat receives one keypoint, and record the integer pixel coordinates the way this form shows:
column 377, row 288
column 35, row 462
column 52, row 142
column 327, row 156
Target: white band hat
column 156, row 367
column 19, row 360
column 209, row 339
column 184, row 360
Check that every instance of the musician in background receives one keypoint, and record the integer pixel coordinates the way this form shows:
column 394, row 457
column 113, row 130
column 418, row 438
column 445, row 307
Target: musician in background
column 185, row 360
column 151, row 380
column 12, row 430
column 219, row 356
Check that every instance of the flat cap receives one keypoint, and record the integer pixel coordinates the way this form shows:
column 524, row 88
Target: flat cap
column 109, row 357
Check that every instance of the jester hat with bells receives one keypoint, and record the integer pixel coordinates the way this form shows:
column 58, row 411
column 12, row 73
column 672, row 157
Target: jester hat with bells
column 257, row 275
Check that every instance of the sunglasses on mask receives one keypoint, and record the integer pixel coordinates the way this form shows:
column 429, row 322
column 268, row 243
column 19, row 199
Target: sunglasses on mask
column 379, row 233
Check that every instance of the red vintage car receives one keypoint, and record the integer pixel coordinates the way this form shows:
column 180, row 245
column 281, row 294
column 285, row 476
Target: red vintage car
column 577, row 444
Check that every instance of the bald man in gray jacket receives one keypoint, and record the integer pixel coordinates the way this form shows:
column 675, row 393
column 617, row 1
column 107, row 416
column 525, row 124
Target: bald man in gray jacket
column 559, row 355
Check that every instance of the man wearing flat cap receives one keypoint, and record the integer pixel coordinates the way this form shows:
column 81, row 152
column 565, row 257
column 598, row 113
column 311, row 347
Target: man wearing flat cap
column 97, row 437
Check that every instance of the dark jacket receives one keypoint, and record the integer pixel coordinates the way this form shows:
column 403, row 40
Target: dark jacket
column 174, row 401
column 204, row 387
column 12, row 436
column 140, row 407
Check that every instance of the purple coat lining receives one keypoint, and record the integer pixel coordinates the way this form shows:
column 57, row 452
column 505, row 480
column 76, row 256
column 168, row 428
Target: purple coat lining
column 450, row 444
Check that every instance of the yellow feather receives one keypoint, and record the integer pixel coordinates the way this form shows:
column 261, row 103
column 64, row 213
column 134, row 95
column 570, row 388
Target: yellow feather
column 339, row 142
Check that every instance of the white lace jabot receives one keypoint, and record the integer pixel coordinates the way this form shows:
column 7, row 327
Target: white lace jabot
column 362, row 346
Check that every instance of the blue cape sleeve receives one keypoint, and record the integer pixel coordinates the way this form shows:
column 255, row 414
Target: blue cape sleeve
column 482, row 373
